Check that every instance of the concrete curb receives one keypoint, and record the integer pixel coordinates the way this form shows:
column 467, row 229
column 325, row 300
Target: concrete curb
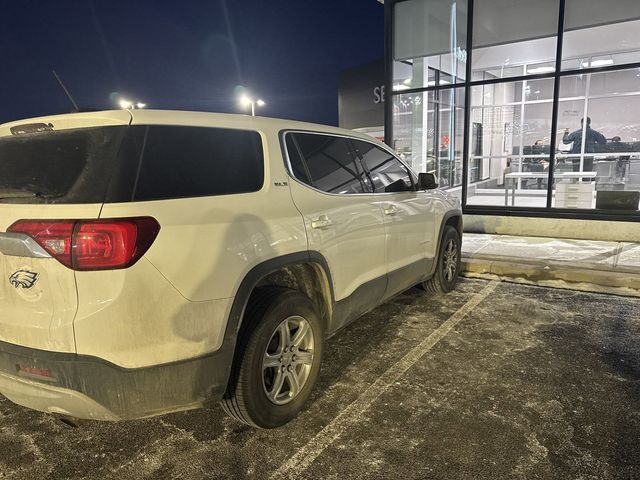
column 547, row 273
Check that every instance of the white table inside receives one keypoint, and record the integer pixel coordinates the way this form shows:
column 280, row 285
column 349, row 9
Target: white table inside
column 511, row 180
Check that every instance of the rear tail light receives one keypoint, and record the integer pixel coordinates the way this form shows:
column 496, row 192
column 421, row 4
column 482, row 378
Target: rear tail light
column 92, row 244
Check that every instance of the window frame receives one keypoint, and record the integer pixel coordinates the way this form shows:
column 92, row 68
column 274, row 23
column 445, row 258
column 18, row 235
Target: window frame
column 357, row 158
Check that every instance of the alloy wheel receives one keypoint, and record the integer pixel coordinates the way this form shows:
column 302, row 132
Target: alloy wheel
column 450, row 260
column 288, row 359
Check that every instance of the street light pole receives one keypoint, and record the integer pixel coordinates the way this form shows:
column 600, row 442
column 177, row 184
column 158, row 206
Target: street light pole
column 248, row 101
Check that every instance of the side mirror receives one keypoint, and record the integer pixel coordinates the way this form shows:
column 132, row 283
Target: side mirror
column 427, row 181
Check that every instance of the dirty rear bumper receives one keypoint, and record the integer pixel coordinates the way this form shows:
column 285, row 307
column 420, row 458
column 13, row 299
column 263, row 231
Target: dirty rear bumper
column 90, row 388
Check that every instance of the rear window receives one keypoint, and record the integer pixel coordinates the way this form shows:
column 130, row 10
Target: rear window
column 182, row 162
column 66, row 166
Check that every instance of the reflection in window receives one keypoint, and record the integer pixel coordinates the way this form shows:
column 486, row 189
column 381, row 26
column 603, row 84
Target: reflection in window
column 428, row 133
column 600, row 34
column 298, row 167
column 330, row 163
column 514, row 38
column 430, row 43
column 383, row 168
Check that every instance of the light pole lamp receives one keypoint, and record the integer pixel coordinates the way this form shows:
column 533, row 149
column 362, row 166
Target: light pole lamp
column 128, row 105
column 248, row 101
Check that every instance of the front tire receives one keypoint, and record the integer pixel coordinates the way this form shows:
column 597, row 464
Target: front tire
column 278, row 359
column 445, row 277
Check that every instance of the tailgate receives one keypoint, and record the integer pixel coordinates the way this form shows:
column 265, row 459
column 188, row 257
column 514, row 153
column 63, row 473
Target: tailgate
column 52, row 168
column 38, row 299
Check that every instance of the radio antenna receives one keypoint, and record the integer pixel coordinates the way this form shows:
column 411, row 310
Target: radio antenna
column 73, row 102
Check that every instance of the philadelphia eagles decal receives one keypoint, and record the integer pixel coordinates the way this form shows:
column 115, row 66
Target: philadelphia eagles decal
column 23, row 279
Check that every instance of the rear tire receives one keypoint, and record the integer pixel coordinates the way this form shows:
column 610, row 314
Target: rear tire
column 445, row 277
column 278, row 358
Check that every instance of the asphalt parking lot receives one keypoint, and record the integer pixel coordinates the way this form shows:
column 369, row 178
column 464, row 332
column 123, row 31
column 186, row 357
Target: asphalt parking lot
column 492, row 381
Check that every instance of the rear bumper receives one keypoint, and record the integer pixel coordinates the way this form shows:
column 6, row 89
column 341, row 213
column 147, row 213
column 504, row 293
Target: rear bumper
column 90, row 388
column 48, row 398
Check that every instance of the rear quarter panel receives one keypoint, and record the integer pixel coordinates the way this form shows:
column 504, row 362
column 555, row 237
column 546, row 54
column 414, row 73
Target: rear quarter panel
column 207, row 244
column 136, row 318
column 174, row 304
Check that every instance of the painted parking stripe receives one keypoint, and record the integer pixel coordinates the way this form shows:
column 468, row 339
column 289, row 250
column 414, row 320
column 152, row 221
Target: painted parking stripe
column 298, row 463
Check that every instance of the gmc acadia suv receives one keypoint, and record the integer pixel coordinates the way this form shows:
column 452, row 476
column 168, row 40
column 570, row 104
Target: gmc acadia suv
column 156, row 261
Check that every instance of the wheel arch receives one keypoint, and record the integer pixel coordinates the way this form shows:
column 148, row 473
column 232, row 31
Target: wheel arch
column 306, row 271
column 451, row 218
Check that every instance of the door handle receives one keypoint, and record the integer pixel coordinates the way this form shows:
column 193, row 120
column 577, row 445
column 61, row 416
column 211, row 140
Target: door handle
column 321, row 222
column 391, row 210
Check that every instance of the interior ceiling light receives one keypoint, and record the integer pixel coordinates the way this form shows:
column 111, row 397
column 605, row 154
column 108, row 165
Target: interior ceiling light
column 544, row 69
column 600, row 62
column 432, row 83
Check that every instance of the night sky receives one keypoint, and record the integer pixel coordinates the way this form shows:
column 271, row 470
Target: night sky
column 189, row 54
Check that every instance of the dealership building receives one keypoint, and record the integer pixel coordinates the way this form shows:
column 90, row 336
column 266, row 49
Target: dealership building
column 525, row 109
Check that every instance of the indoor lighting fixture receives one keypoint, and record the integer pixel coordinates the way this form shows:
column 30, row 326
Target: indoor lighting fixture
column 601, row 62
column 432, row 83
column 401, row 87
column 536, row 70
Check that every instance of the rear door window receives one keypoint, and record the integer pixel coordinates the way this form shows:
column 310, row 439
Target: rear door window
column 386, row 172
column 330, row 162
column 179, row 162
column 298, row 167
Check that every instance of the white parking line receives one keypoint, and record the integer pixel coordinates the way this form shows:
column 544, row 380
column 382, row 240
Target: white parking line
column 298, row 463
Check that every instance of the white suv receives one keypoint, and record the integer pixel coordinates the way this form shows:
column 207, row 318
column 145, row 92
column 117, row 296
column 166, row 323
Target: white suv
column 155, row 261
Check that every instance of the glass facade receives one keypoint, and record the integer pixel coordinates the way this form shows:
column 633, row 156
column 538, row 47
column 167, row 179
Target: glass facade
column 429, row 130
column 519, row 105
